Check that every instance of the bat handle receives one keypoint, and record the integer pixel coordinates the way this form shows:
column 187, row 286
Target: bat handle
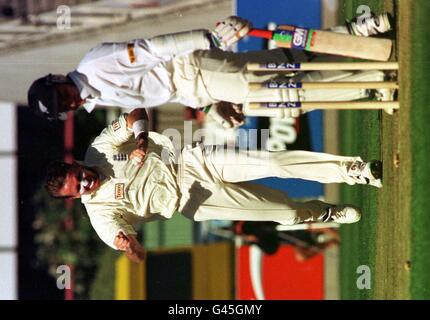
column 260, row 33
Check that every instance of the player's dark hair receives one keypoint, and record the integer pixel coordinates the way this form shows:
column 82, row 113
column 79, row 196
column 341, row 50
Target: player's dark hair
column 55, row 177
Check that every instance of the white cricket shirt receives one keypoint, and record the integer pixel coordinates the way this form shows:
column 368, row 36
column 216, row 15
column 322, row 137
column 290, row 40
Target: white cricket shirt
column 129, row 194
column 139, row 76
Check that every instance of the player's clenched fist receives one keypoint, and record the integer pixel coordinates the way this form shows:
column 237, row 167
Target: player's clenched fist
column 137, row 156
column 128, row 243
column 121, row 242
column 230, row 31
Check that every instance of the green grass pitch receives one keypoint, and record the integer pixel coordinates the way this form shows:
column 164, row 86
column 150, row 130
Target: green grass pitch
column 393, row 237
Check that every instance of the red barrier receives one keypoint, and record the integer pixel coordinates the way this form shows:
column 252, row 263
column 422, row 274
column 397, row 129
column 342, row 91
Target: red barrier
column 282, row 276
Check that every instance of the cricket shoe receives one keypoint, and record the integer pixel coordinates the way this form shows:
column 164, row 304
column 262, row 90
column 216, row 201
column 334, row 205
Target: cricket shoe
column 343, row 214
column 371, row 26
column 386, row 95
column 367, row 172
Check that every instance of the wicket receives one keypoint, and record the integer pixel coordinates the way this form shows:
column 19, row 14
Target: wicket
column 320, row 66
column 328, row 105
column 387, row 106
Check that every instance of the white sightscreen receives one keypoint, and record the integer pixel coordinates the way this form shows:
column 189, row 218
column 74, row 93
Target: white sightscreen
column 8, row 202
column 8, row 279
column 7, row 127
column 8, row 189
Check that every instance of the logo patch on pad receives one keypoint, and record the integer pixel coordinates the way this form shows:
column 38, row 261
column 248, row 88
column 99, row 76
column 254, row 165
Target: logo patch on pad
column 116, row 125
column 119, row 191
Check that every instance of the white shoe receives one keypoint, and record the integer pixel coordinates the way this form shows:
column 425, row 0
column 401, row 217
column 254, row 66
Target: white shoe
column 367, row 173
column 371, row 26
column 343, row 214
column 386, row 95
column 323, row 238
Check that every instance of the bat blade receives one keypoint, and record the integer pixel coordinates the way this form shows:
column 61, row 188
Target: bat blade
column 326, row 105
column 320, row 66
column 351, row 46
column 329, row 42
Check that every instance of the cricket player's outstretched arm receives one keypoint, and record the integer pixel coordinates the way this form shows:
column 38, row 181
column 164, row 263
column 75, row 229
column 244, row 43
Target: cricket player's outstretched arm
column 129, row 244
column 225, row 34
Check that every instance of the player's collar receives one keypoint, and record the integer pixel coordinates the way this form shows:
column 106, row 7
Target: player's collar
column 90, row 104
column 86, row 91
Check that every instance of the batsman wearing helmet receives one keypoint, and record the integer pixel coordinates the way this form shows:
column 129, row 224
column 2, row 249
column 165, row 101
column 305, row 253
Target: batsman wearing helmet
column 191, row 68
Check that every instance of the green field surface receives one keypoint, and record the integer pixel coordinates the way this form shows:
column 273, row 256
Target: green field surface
column 392, row 238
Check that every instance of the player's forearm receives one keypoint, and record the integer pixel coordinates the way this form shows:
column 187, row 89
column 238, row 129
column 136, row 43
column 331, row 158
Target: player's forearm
column 181, row 43
column 135, row 252
column 130, row 245
column 138, row 121
column 134, row 256
column 136, row 115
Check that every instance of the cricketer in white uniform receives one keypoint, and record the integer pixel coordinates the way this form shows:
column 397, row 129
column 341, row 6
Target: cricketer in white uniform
column 189, row 67
column 203, row 183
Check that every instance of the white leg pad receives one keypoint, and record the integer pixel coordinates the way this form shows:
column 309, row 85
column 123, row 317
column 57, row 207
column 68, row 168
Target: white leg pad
column 289, row 95
column 271, row 95
column 339, row 76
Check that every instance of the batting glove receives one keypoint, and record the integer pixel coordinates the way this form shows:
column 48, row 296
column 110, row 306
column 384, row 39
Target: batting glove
column 230, row 31
column 293, row 112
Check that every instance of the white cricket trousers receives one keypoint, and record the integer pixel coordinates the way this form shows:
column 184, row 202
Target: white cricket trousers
column 210, row 76
column 214, row 183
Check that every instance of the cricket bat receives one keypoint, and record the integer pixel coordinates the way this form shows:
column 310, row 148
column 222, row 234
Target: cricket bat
column 328, row 42
column 327, row 105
